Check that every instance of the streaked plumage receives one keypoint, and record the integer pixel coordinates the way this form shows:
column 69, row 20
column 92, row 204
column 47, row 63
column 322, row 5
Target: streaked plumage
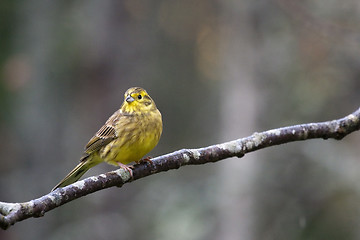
column 129, row 134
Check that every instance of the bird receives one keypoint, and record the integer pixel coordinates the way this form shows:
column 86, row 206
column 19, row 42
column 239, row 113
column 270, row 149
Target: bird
column 128, row 135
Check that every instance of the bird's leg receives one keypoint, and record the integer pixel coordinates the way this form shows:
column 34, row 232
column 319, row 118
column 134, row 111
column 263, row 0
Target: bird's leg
column 145, row 160
column 127, row 168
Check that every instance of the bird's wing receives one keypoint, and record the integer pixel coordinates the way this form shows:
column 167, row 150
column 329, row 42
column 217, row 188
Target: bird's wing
column 104, row 136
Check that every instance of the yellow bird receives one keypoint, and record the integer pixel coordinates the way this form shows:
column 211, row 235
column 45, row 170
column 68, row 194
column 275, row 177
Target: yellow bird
column 129, row 134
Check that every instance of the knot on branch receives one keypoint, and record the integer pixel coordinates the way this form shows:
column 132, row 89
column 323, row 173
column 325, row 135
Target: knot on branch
column 10, row 213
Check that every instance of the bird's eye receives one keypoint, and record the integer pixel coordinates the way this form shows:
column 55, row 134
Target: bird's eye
column 139, row 97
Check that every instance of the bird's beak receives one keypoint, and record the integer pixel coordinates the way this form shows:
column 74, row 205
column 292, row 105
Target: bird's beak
column 129, row 99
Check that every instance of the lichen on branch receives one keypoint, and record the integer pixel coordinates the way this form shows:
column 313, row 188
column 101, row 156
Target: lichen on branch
column 10, row 213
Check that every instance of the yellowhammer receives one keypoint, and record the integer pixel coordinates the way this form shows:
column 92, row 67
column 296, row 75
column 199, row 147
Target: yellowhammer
column 129, row 134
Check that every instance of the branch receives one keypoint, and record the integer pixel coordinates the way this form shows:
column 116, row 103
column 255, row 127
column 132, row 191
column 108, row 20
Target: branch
column 10, row 213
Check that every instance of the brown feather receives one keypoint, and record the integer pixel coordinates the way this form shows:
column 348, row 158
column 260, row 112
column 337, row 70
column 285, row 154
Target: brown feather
column 124, row 137
column 104, row 136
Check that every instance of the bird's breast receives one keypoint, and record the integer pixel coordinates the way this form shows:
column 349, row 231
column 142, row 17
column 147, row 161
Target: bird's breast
column 135, row 139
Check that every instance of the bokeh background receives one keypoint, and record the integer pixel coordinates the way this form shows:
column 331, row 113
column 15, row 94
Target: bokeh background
column 218, row 70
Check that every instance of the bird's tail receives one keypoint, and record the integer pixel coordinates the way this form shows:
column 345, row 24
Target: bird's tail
column 77, row 172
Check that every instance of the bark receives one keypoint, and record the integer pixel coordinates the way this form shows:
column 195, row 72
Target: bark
column 10, row 213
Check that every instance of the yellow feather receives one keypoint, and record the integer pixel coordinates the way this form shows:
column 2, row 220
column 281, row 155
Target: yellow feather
column 129, row 134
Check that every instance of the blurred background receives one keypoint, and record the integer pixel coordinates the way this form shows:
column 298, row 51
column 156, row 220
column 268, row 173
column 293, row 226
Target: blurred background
column 218, row 71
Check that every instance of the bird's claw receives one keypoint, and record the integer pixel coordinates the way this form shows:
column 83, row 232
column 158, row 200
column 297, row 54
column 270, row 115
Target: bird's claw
column 145, row 160
column 127, row 168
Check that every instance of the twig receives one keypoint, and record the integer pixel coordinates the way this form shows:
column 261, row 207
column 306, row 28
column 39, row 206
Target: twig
column 10, row 213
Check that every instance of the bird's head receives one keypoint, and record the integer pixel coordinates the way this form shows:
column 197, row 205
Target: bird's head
column 137, row 100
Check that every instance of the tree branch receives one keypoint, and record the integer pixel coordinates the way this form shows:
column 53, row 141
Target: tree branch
column 10, row 213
